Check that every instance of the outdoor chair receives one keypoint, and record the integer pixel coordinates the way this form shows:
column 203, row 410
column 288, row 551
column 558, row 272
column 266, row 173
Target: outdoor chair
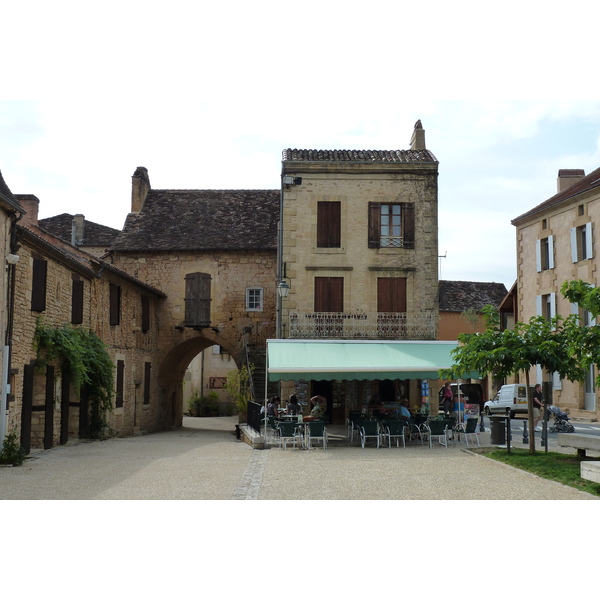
column 288, row 432
column 414, row 431
column 469, row 429
column 355, row 427
column 394, row 430
column 437, row 429
column 317, row 431
column 369, row 429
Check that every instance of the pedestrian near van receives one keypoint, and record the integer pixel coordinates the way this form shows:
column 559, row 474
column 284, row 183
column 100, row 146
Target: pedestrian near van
column 447, row 398
column 538, row 406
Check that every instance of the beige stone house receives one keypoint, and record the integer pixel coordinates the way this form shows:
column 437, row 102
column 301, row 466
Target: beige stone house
column 557, row 242
column 62, row 285
column 359, row 258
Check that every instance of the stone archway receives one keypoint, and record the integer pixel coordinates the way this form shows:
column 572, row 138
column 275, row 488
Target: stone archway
column 172, row 371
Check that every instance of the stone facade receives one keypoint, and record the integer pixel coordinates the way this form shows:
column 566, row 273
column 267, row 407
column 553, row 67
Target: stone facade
column 557, row 242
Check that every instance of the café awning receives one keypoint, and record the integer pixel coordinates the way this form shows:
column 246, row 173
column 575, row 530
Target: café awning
column 348, row 359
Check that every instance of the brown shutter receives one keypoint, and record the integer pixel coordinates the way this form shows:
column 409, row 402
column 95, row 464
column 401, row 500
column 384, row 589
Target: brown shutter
column 329, row 224
column 391, row 294
column 374, row 224
column 120, row 383
column 77, row 302
column 145, row 314
column 115, row 304
column 329, row 294
column 197, row 300
column 408, row 224
column 38, row 291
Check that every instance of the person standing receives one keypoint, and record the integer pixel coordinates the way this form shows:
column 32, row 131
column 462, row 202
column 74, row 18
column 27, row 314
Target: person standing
column 447, row 398
column 538, row 406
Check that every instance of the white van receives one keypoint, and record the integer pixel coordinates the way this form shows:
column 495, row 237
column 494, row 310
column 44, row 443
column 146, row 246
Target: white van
column 509, row 400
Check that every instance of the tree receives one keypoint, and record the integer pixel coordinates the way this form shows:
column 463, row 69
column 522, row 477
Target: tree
column 238, row 386
column 506, row 352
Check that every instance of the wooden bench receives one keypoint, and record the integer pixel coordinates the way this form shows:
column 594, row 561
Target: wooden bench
column 579, row 441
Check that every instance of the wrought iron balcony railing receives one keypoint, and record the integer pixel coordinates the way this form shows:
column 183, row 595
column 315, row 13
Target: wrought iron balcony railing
column 381, row 325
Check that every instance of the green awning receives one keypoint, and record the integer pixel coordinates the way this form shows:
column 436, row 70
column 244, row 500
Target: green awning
column 346, row 360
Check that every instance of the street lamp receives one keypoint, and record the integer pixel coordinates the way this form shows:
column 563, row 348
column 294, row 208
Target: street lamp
column 283, row 288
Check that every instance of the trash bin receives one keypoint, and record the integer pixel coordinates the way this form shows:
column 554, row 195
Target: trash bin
column 498, row 430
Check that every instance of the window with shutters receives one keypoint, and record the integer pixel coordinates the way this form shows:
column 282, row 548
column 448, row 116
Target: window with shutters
column 391, row 307
column 120, row 383
column 581, row 242
column 145, row 313
column 115, row 304
column 197, row 300
column 77, row 302
column 544, row 251
column 39, row 282
column 391, row 225
column 329, row 298
column 329, row 225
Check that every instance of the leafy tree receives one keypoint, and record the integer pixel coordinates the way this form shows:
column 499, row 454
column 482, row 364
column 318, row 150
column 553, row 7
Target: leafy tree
column 238, row 386
column 505, row 352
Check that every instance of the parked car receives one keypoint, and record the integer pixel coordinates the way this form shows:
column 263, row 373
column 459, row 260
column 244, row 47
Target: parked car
column 471, row 393
column 511, row 399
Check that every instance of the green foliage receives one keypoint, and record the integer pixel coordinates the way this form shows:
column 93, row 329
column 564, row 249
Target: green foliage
column 12, row 453
column 238, row 387
column 83, row 357
column 204, row 406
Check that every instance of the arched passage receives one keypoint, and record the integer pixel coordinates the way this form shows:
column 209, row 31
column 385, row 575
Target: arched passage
column 172, row 371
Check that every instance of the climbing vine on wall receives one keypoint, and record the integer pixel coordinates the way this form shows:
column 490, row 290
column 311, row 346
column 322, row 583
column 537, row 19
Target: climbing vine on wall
column 82, row 356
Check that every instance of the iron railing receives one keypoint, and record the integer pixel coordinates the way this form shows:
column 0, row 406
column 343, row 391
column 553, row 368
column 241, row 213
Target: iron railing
column 346, row 325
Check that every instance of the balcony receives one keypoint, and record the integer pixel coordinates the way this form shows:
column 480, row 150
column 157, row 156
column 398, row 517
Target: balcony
column 350, row 326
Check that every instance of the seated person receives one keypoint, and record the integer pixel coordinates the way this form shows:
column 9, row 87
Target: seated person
column 403, row 412
column 273, row 406
column 293, row 407
column 319, row 408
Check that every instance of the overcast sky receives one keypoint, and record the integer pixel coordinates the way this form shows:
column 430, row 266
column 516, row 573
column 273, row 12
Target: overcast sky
column 209, row 96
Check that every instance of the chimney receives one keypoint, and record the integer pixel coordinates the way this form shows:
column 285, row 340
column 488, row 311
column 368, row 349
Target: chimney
column 417, row 141
column 77, row 230
column 140, row 186
column 31, row 204
column 567, row 177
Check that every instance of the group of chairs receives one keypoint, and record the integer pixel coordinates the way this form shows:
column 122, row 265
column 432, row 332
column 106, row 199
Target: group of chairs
column 292, row 432
column 386, row 431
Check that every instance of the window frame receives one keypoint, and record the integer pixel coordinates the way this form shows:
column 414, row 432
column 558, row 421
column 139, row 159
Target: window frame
column 544, row 253
column 582, row 242
column 329, row 224
column 407, row 225
column 249, row 307
column 39, row 284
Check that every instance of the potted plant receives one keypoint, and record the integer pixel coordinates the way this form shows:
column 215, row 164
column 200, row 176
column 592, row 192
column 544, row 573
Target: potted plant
column 238, row 387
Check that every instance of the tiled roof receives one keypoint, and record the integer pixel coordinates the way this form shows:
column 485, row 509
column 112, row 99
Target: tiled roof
column 186, row 220
column 7, row 196
column 95, row 234
column 588, row 182
column 368, row 156
column 458, row 296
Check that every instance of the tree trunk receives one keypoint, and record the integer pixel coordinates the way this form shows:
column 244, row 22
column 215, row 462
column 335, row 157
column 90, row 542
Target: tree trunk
column 530, row 415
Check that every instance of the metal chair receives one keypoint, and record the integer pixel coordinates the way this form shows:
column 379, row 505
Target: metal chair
column 370, row 429
column 437, row 429
column 394, row 429
column 469, row 429
column 288, row 431
column 317, row 431
column 414, row 431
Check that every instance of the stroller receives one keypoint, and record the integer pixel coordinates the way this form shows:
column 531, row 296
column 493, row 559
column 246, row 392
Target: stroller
column 561, row 421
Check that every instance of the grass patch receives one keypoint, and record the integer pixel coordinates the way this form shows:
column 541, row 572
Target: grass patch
column 564, row 468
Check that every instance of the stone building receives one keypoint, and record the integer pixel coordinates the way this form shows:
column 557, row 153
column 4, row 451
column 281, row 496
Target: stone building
column 557, row 242
column 213, row 254
column 61, row 284
column 359, row 254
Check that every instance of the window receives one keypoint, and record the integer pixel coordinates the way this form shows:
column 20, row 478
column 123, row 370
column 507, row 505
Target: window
column 120, row 383
column 77, row 302
column 115, row 304
column 544, row 253
column 329, row 225
column 39, row 280
column 145, row 314
column 391, row 294
column 197, row 300
column 581, row 242
column 391, row 225
column 546, row 306
column 254, row 299
column 147, row 369
column 329, row 294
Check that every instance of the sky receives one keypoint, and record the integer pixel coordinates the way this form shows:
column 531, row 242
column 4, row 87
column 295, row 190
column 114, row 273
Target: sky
column 208, row 94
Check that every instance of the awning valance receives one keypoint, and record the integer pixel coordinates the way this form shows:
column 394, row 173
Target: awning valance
column 346, row 360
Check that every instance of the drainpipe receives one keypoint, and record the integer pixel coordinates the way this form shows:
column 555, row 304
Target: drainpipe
column 279, row 261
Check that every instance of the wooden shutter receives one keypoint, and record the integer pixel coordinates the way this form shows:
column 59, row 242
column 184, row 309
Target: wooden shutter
column 374, row 224
column 329, row 294
column 197, row 300
column 77, row 302
column 120, row 383
column 145, row 314
column 39, row 279
column 391, row 294
column 147, row 369
column 115, row 304
column 329, row 224
column 408, row 224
